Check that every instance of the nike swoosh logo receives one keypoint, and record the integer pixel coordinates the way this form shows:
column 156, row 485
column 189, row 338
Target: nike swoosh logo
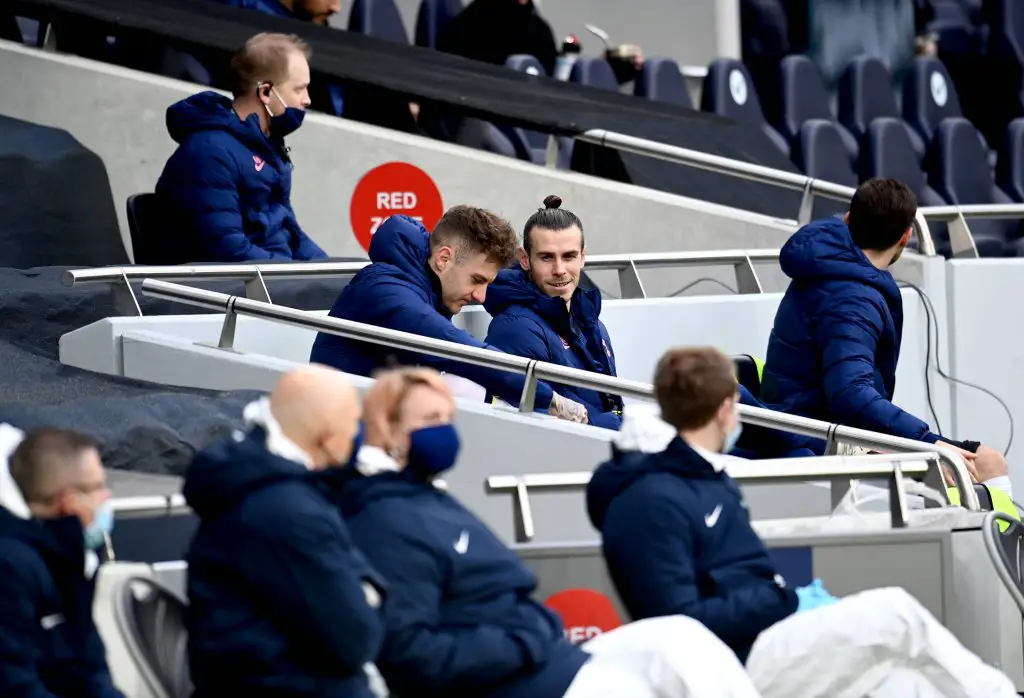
column 711, row 519
column 462, row 544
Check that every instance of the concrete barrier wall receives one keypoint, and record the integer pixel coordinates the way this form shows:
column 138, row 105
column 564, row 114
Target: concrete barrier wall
column 119, row 114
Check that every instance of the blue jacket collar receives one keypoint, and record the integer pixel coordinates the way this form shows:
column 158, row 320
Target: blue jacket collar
column 514, row 287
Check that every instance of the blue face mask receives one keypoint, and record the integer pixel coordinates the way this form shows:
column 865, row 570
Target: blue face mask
column 102, row 524
column 732, row 437
column 357, row 443
column 286, row 122
column 433, row 450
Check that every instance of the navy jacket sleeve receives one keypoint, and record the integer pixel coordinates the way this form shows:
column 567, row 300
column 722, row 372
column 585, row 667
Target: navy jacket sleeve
column 306, row 250
column 213, row 208
column 418, row 648
column 18, row 626
column 407, row 314
column 521, row 337
column 847, row 335
column 649, row 543
column 308, row 584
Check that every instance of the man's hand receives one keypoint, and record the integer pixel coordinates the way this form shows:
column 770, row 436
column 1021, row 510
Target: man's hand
column 989, row 463
column 969, row 461
column 566, row 409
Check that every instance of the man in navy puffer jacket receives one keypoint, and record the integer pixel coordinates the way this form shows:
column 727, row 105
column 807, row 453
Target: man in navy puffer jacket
column 462, row 621
column 416, row 283
column 226, row 191
column 677, row 539
column 282, row 603
column 833, row 350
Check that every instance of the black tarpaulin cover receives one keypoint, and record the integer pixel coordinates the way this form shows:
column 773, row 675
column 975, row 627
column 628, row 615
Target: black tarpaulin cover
column 55, row 200
column 477, row 89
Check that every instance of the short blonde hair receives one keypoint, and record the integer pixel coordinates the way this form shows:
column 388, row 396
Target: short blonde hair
column 264, row 58
column 383, row 402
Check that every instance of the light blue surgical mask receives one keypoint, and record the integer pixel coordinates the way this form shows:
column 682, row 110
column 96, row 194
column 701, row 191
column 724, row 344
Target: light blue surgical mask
column 433, row 450
column 102, row 524
column 733, row 436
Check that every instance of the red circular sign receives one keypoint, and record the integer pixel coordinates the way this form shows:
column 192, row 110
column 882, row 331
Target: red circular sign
column 391, row 189
column 585, row 613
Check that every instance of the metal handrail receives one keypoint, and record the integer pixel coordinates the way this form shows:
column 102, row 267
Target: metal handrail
column 533, row 370
column 149, row 505
column 783, row 470
column 255, row 275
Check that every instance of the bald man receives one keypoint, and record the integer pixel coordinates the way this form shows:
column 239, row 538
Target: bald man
column 281, row 602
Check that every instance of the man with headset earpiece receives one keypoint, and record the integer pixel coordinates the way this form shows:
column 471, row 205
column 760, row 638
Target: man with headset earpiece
column 225, row 193
column 833, row 350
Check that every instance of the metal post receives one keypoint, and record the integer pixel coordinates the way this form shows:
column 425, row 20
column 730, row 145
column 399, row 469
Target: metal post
column 256, row 288
column 125, row 302
column 227, row 331
column 806, row 212
column 746, row 277
column 898, row 497
column 961, row 242
column 528, row 400
column 525, row 530
column 629, row 282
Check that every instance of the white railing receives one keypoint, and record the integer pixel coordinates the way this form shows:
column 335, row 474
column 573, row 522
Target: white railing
column 837, row 469
column 532, row 370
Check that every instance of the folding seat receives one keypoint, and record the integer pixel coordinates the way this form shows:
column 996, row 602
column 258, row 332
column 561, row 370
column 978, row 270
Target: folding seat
column 729, row 91
column 483, row 135
column 1004, row 70
column 961, row 174
column 529, row 145
column 594, row 72
column 431, row 19
column 865, row 94
column 804, row 97
column 660, row 80
column 820, row 153
column 1010, row 166
column 929, row 97
column 887, row 151
column 379, row 19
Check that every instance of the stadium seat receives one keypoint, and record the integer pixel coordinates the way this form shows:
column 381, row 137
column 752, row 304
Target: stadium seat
column 1010, row 166
column 819, row 151
column 660, row 80
column 748, row 373
column 594, row 72
column 1004, row 68
column 379, row 19
column 483, row 135
column 152, row 622
column 143, row 213
column 729, row 91
column 961, row 174
column 865, row 94
column 431, row 19
column 530, row 145
column 887, row 151
column 929, row 97
column 804, row 97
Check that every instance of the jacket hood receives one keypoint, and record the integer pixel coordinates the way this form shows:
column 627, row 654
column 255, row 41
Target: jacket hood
column 210, row 111
column 645, row 445
column 514, row 287
column 404, row 243
column 823, row 250
column 227, row 472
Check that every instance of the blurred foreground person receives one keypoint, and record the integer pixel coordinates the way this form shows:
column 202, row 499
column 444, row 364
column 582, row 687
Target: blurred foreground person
column 56, row 512
column 462, row 622
column 677, row 539
column 280, row 601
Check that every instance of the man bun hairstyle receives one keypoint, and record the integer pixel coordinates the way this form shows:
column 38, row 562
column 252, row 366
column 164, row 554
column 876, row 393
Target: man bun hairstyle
column 263, row 58
column 880, row 212
column 690, row 385
column 551, row 217
column 470, row 231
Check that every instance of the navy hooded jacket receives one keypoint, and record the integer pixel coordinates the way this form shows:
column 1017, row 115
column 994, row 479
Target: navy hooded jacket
column 529, row 323
column 461, row 622
column 833, row 350
column 49, row 646
column 279, row 601
column 400, row 292
column 226, row 190
column 677, row 539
